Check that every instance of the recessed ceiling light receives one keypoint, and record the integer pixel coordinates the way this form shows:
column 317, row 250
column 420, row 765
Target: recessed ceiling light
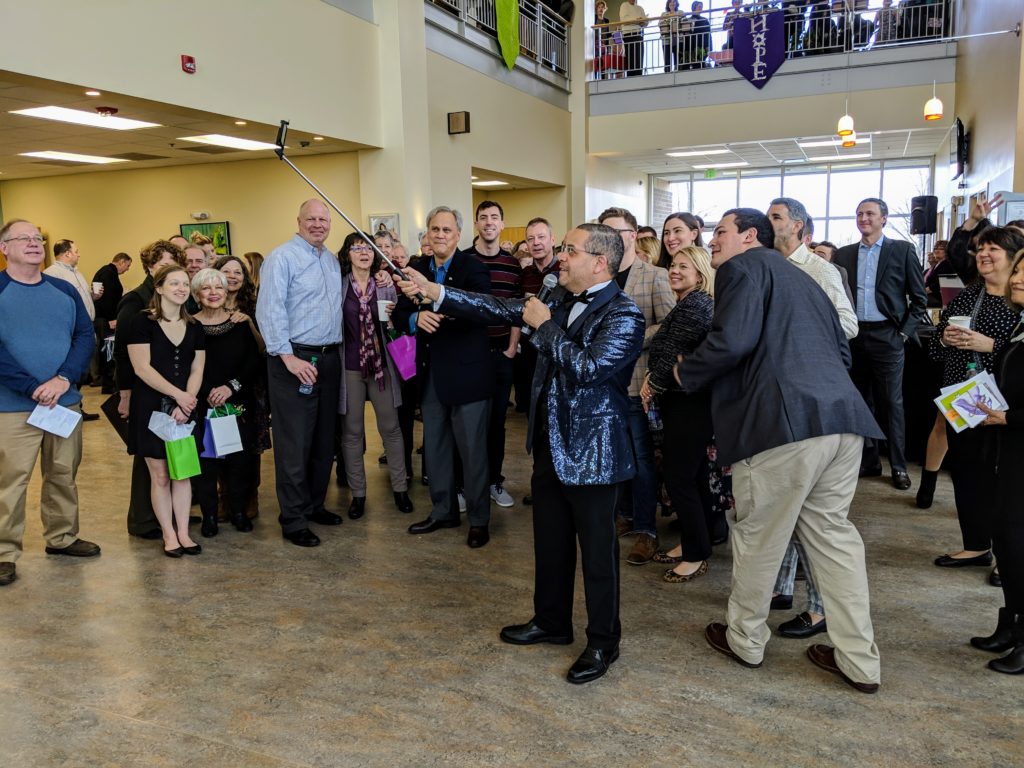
column 720, row 165
column 71, row 157
column 699, row 153
column 491, row 183
column 219, row 140
column 93, row 93
column 833, row 158
column 473, row 178
column 240, row 122
column 318, row 138
column 830, row 143
column 84, row 117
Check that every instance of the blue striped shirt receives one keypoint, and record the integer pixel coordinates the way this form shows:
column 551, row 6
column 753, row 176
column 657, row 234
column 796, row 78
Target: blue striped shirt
column 867, row 271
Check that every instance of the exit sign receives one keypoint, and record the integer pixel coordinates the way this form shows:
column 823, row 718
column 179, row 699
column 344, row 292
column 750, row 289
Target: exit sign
column 710, row 173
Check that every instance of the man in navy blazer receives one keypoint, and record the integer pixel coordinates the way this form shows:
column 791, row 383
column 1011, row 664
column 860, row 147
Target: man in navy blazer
column 455, row 370
column 888, row 285
column 789, row 420
column 587, row 344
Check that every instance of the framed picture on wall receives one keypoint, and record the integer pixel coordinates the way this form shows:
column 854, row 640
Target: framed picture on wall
column 217, row 231
column 383, row 222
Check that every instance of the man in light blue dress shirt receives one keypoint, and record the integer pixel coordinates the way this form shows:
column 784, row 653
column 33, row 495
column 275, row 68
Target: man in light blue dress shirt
column 299, row 315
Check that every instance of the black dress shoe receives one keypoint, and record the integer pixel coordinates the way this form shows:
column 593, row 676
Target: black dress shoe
column 303, row 538
column 527, row 501
column 875, row 471
column 824, row 656
column 591, row 664
column 945, row 561
column 430, row 525
column 357, row 508
column 782, row 603
column 801, row 626
column 715, row 635
column 478, row 536
column 530, row 634
column 403, row 502
column 1001, row 640
column 90, row 416
column 241, row 522
column 323, row 517
column 900, row 480
column 995, row 579
column 193, row 550
column 210, row 527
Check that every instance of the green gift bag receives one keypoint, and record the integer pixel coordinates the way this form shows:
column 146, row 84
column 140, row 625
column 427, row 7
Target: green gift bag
column 182, row 458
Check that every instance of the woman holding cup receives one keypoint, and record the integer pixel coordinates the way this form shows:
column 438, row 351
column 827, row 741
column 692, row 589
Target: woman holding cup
column 972, row 331
column 369, row 373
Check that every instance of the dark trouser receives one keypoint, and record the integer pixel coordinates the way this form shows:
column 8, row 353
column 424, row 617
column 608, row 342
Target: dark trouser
column 523, row 366
column 303, row 436
column 670, row 58
column 1008, row 536
column 236, row 472
column 446, row 427
column 561, row 515
column 878, row 374
column 974, row 482
column 141, row 519
column 407, row 419
column 645, row 484
column 633, row 42
column 503, row 374
column 687, row 420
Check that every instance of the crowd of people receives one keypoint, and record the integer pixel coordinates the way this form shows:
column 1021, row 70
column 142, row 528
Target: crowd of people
column 657, row 373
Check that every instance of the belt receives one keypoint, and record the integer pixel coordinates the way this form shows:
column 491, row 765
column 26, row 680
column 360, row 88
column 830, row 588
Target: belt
column 318, row 349
column 873, row 323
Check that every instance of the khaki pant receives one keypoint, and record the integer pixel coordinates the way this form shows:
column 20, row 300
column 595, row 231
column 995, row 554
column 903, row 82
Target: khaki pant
column 807, row 487
column 20, row 444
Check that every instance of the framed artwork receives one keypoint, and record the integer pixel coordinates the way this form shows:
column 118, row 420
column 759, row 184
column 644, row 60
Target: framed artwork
column 217, row 231
column 383, row 222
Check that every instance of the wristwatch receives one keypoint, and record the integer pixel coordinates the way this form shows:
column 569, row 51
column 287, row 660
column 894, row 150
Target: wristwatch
column 63, row 378
column 235, row 385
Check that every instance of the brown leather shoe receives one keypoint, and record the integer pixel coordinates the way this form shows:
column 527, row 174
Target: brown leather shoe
column 77, row 548
column 715, row 635
column 7, row 574
column 623, row 527
column 824, row 656
column 644, row 549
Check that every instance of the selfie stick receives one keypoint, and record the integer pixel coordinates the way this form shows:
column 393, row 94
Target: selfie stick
column 281, row 133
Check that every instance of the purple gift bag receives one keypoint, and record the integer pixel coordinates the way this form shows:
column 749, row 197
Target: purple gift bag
column 209, row 449
column 403, row 352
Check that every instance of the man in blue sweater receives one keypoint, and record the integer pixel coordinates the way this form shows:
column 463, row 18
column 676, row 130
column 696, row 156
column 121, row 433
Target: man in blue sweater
column 46, row 343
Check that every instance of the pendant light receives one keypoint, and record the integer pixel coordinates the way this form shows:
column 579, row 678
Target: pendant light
column 845, row 127
column 933, row 107
column 851, row 140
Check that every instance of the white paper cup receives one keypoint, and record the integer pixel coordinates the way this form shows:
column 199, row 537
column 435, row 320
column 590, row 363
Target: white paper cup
column 97, row 287
column 382, row 308
column 961, row 321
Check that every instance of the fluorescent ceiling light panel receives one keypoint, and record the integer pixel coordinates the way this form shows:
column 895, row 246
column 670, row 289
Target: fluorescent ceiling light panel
column 83, row 117
column 830, row 143
column 220, row 140
column 71, row 157
column 699, row 153
column 720, row 165
column 834, row 158
column 493, row 183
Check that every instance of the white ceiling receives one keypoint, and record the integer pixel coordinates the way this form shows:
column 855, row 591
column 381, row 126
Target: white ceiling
column 883, row 145
column 19, row 133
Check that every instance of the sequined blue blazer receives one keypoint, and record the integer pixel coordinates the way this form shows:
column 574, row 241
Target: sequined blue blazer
column 589, row 366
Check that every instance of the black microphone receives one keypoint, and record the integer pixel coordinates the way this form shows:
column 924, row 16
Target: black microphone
column 550, row 283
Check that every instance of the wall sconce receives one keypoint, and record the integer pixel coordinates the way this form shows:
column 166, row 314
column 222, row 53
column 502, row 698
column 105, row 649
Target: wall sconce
column 458, row 122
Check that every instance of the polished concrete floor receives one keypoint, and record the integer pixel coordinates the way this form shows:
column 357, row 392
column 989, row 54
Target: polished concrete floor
column 381, row 649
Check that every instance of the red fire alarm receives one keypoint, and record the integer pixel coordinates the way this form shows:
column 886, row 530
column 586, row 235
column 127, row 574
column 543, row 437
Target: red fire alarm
column 188, row 64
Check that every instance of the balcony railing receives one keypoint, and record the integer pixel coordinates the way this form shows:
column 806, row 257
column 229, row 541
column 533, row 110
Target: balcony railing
column 678, row 41
column 543, row 34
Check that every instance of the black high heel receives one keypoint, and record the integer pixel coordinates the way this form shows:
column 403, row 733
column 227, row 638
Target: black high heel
column 403, row 502
column 357, row 508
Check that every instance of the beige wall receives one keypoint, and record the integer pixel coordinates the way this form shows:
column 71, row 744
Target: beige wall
column 610, row 184
column 124, row 210
column 989, row 98
column 265, row 61
column 522, row 205
column 512, row 133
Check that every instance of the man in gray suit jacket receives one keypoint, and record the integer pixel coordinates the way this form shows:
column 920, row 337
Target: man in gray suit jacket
column 789, row 420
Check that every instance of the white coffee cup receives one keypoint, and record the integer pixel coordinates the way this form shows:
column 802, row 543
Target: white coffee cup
column 97, row 288
column 382, row 308
column 961, row 321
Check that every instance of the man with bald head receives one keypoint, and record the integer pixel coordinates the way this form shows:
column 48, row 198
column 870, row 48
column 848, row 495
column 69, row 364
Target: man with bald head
column 299, row 314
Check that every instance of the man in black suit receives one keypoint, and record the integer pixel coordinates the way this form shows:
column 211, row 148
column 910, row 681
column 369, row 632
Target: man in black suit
column 109, row 275
column 789, row 421
column 888, row 285
column 455, row 369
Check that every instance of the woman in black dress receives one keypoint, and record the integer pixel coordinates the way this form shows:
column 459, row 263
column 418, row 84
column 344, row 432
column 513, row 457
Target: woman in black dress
column 166, row 352
column 961, row 350
column 1006, row 436
column 233, row 363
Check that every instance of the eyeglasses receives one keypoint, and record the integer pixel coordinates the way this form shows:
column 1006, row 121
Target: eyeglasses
column 26, row 239
column 360, row 248
column 569, row 250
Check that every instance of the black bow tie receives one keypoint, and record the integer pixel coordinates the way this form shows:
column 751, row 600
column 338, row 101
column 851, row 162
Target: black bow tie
column 582, row 298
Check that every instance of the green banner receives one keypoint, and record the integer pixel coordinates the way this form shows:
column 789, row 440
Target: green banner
column 508, row 30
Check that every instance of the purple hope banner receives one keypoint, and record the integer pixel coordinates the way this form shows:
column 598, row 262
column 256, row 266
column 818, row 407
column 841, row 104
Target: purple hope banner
column 759, row 46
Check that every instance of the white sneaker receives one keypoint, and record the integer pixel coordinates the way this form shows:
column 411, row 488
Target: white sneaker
column 462, row 503
column 500, row 496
